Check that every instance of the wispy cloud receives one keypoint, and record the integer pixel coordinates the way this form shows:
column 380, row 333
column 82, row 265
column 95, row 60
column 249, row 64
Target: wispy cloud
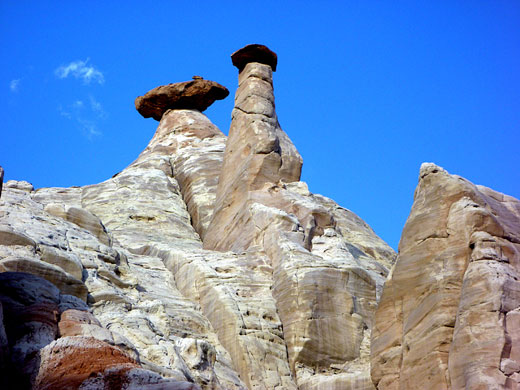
column 80, row 70
column 86, row 115
column 14, row 84
column 96, row 107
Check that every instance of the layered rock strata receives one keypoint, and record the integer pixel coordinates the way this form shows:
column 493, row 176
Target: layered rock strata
column 448, row 316
column 232, row 290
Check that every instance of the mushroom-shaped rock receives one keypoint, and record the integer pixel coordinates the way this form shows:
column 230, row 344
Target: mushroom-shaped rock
column 197, row 94
column 254, row 53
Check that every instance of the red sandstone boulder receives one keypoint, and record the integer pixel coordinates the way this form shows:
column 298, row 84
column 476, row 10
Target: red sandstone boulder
column 197, row 94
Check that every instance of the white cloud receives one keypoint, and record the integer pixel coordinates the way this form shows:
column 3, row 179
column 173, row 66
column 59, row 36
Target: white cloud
column 86, row 115
column 80, row 70
column 14, row 84
column 96, row 107
column 89, row 128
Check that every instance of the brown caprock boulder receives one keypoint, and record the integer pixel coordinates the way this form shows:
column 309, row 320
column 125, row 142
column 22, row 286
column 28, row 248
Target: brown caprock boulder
column 254, row 53
column 197, row 94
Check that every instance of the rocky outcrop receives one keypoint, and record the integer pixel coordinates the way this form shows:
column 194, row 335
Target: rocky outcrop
column 448, row 316
column 51, row 341
column 189, row 147
column 197, row 94
column 205, row 263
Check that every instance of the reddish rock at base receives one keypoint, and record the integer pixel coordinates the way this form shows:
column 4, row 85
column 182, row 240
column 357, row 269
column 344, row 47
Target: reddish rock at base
column 67, row 362
column 197, row 94
column 254, row 53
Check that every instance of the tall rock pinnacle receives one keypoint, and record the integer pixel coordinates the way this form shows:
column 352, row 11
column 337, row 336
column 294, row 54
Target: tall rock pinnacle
column 258, row 152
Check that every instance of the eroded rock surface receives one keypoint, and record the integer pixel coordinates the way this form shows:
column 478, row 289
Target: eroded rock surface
column 448, row 315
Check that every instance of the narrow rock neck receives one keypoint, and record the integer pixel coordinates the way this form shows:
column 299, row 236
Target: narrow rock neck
column 190, row 149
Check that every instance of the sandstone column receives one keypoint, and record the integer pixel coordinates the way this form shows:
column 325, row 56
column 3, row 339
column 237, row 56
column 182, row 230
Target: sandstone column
column 258, row 152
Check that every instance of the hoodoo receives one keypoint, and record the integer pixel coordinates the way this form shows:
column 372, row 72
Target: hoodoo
column 258, row 151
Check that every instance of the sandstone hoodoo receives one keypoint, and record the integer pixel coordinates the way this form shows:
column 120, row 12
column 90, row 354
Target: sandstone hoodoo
column 197, row 94
column 206, row 264
column 254, row 53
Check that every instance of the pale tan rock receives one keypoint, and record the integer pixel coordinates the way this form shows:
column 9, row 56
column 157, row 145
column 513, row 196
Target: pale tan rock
column 442, row 322
column 20, row 185
column 188, row 145
column 133, row 297
column 257, row 152
column 80, row 217
column 67, row 261
column 67, row 283
column 234, row 293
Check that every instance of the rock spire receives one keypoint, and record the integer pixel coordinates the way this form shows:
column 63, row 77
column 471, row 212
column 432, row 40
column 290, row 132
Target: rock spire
column 258, row 151
column 197, row 94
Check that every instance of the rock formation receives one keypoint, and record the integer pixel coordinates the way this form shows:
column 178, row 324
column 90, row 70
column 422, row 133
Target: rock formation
column 197, row 94
column 448, row 316
column 323, row 281
column 207, row 264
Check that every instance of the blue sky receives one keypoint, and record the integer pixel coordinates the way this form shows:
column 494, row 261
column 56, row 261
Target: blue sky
column 367, row 90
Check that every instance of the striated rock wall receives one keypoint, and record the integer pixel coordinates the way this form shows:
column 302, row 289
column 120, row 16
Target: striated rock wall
column 447, row 318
